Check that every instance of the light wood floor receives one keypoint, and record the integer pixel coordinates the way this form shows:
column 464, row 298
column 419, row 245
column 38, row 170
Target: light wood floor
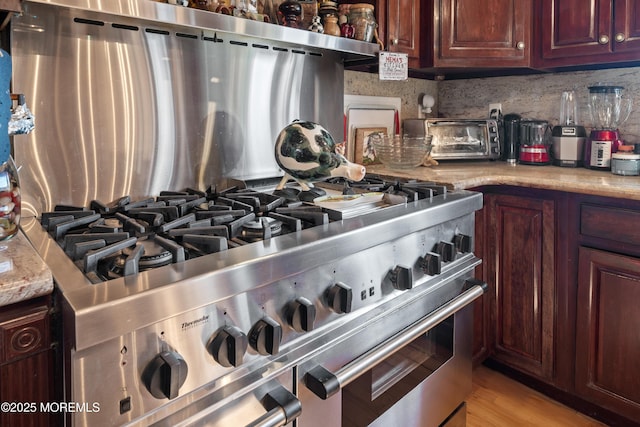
column 497, row 401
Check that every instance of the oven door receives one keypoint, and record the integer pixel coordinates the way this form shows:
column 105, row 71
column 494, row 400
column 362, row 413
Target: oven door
column 418, row 376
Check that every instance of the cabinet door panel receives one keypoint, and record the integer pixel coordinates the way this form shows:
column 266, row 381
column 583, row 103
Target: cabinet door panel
column 403, row 26
column 575, row 27
column 28, row 381
column 627, row 26
column 406, row 26
column 524, row 273
column 492, row 32
column 482, row 306
column 607, row 340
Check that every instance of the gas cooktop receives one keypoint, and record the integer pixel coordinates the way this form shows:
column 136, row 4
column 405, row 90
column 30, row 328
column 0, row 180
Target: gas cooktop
column 123, row 237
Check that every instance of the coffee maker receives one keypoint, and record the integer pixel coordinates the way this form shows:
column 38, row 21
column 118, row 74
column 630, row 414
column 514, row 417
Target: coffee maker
column 511, row 123
column 609, row 109
column 568, row 137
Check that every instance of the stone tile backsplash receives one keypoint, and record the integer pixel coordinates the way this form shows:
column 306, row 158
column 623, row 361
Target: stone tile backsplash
column 535, row 96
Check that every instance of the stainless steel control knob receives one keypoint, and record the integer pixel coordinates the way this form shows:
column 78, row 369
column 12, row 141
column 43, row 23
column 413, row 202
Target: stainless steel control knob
column 401, row 278
column 301, row 315
column 462, row 243
column 228, row 346
column 447, row 251
column 265, row 336
column 339, row 298
column 430, row 263
column 165, row 374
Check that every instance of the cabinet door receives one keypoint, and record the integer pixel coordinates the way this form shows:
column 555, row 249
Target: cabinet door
column 626, row 34
column 522, row 266
column 491, row 33
column 408, row 29
column 578, row 32
column 572, row 28
column 607, row 340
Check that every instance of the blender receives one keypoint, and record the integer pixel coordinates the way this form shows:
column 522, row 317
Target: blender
column 568, row 137
column 609, row 109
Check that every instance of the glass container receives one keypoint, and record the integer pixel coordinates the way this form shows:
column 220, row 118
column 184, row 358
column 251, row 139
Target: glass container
column 568, row 109
column 10, row 203
column 362, row 19
column 401, row 152
column 608, row 107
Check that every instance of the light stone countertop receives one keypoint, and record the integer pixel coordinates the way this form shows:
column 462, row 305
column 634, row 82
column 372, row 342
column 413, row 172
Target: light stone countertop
column 23, row 274
column 465, row 175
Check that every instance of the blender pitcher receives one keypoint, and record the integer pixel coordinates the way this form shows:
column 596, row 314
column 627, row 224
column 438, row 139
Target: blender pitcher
column 609, row 109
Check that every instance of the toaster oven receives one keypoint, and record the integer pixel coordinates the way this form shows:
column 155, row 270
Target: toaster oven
column 458, row 139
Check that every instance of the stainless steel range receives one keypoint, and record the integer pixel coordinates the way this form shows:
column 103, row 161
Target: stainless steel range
column 308, row 324
column 191, row 293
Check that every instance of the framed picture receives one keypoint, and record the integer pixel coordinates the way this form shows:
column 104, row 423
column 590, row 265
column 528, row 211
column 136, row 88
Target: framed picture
column 363, row 150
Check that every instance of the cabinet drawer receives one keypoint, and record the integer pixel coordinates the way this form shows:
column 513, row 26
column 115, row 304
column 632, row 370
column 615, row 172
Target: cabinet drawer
column 610, row 223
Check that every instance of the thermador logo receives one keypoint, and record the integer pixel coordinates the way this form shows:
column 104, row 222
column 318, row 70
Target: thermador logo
column 194, row 323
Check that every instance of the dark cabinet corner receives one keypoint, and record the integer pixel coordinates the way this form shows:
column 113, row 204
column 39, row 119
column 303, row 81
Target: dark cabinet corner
column 28, row 362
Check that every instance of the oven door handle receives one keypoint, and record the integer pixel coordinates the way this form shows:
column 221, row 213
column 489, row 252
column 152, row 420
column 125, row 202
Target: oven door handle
column 282, row 406
column 325, row 384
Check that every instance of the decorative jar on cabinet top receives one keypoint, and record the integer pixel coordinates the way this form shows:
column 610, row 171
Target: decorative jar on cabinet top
column 361, row 17
column 331, row 25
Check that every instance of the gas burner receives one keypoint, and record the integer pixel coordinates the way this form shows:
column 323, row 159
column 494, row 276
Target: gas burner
column 153, row 255
column 261, row 229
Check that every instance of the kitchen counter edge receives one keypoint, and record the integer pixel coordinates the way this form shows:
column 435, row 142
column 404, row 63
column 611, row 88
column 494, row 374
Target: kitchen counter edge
column 467, row 175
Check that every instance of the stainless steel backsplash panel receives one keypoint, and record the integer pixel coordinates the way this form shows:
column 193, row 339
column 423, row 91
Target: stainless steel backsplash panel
column 125, row 106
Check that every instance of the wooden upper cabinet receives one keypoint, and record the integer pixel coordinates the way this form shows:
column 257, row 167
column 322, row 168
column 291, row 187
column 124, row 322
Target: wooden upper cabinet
column 571, row 28
column 581, row 32
column 406, row 26
column 491, row 33
column 626, row 29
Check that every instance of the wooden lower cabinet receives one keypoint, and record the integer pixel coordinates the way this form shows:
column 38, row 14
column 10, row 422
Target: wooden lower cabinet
column 27, row 359
column 563, row 309
column 608, row 331
column 520, row 263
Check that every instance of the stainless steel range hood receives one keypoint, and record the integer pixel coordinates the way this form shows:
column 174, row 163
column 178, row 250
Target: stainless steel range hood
column 210, row 22
column 135, row 96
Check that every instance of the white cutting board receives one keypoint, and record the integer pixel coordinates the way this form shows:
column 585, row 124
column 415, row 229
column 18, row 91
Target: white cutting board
column 369, row 112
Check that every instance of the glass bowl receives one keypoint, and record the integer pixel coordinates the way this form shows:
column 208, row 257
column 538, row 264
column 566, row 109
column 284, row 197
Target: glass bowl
column 401, row 151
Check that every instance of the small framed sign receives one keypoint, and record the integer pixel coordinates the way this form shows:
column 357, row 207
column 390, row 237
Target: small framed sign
column 364, row 154
column 393, row 66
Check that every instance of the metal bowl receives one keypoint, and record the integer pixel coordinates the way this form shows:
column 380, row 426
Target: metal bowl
column 401, row 152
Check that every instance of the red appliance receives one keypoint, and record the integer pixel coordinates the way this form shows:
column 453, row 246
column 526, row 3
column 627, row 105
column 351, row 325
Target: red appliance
column 602, row 143
column 609, row 109
column 535, row 142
